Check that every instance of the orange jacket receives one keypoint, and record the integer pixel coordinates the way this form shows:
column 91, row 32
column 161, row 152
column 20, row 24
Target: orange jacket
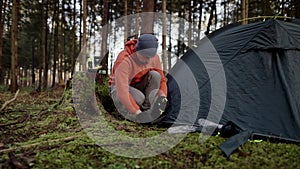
column 127, row 72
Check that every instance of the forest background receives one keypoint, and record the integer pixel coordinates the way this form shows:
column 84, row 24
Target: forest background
column 41, row 40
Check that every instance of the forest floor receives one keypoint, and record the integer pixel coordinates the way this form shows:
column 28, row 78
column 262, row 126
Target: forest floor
column 36, row 133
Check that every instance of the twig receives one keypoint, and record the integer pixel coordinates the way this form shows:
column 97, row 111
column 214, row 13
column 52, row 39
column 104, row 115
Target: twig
column 109, row 144
column 9, row 101
column 25, row 118
column 37, row 144
column 265, row 17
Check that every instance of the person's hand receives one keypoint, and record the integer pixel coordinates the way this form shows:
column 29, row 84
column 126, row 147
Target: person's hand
column 155, row 113
column 138, row 112
column 144, row 117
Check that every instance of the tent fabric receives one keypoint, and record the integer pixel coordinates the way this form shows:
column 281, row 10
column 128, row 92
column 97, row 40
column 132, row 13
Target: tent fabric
column 261, row 90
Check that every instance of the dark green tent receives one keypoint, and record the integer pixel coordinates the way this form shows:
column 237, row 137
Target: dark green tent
column 245, row 77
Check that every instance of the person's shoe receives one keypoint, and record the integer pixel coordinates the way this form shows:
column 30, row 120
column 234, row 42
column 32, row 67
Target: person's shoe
column 155, row 114
column 159, row 107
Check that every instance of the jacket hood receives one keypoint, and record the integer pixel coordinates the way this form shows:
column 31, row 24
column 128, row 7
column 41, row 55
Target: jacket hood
column 130, row 46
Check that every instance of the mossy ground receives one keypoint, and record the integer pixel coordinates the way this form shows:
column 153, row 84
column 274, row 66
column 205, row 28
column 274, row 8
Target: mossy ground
column 56, row 140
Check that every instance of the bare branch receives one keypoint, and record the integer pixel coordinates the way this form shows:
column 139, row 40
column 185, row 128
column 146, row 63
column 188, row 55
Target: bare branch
column 39, row 143
column 9, row 101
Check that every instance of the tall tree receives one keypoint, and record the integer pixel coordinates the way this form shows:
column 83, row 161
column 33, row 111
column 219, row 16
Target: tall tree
column 1, row 35
column 189, row 18
column 55, row 25
column 245, row 11
column 170, row 41
column 125, row 20
column 33, row 62
column 104, row 33
column 73, row 38
column 200, row 19
column 84, row 38
column 164, row 36
column 14, row 46
column 211, row 16
column 44, row 18
column 61, row 43
column 137, row 24
column 148, row 18
column 297, row 9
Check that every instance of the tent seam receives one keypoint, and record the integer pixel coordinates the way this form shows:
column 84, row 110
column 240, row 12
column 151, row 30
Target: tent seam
column 239, row 51
column 287, row 32
column 235, row 55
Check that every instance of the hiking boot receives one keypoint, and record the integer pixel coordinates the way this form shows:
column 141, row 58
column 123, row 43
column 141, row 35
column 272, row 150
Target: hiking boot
column 159, row 107
column 155, row 114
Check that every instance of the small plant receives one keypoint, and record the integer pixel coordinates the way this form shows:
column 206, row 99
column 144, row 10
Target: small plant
column 103, row 94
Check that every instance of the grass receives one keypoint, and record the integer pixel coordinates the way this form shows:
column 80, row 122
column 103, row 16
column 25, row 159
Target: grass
column 32, row 119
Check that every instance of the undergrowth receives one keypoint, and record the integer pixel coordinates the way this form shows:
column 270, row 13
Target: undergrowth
column 34, row 134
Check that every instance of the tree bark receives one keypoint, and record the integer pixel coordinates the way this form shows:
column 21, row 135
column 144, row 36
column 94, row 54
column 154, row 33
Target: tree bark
column 190, row 23
column 44, row 44
column 213, row 8
column 170, row 42
column 200, row 20
column 148, row 17
column 2, row 71
column 14, row 46
column 73, row 39
column 164, row 36
column 33, row 62
column 297, row 9
column 56, row 51
column 1, row 43
column 104, row 52
column 245, row 11
column 84, row 36
column 137, row 24
column 62, row 43
column 125, row 20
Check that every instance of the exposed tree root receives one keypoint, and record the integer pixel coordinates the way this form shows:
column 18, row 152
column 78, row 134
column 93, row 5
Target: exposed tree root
column 28, row 146
column 9, row 101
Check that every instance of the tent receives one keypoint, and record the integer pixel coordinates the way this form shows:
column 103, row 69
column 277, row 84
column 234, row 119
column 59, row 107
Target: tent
column 244, row 77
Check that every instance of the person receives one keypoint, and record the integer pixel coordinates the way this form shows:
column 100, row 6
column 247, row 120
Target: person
column 137, row 83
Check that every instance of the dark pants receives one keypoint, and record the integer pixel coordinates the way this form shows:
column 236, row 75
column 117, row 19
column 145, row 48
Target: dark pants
column 144, row 93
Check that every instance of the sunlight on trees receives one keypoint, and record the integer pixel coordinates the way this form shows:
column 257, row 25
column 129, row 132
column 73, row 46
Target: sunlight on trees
column 39, row 48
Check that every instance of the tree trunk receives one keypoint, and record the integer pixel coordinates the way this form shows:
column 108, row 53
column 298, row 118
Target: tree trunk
column 2, row 71
column 55, row 50
column 170, row 42
column 245, row 11
column 33, row 63
column 74, row 39
column 225, row 13
column 164, row 36
column 84, row 36
column 1, row 43
column 61, row 43
column 137, row 24
column 125, row 21
column 189, row 24
column 80, row 26
column 180, row 41
column 104, row 52
column 14, row 46
column 44, row 44
column 200, row 20
column 297, row 9
column 148, row 18
column 213, row 8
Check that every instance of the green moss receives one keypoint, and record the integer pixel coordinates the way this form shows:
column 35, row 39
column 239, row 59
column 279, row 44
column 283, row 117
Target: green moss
column 46, row 123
